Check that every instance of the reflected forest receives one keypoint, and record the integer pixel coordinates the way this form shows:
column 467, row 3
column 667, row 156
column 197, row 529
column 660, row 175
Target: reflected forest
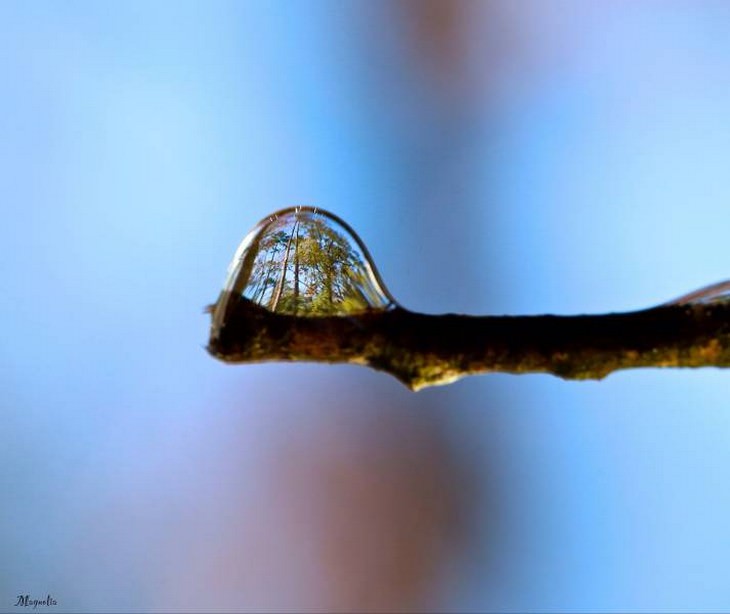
column 306, row 264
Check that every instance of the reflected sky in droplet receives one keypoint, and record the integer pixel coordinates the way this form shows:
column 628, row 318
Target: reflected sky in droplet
column 305, row 261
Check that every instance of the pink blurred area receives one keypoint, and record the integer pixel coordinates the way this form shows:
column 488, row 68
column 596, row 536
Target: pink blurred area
column 293, row 498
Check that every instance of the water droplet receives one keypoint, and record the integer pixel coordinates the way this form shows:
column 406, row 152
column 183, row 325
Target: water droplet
column 709, row 295
column 307, row 262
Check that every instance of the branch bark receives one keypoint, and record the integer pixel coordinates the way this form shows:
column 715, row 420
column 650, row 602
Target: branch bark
column 426, row 350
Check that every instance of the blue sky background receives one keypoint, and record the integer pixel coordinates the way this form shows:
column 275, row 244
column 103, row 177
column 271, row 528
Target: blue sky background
column 572, row 158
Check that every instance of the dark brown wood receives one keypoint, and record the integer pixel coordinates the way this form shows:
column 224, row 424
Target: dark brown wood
column 425, row 350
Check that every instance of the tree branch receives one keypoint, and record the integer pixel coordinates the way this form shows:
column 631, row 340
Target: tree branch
column 425, row 350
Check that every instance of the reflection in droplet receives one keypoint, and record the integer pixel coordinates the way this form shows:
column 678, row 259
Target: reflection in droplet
column 305, row 261
column 709, row 295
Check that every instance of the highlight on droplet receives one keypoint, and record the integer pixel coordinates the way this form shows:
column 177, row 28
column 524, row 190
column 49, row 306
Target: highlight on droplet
column 709, row 295
column 307, row 262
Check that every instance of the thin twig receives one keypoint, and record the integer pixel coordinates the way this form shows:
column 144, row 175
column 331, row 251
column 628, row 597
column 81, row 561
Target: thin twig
column 427, row 350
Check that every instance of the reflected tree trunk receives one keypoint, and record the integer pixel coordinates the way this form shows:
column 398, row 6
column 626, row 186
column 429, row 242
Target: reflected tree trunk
column 285, row 264
column 296, row 267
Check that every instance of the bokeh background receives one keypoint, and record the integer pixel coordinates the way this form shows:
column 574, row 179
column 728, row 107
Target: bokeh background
column 496, row 157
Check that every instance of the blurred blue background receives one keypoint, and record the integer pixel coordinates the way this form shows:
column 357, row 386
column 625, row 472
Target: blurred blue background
column 498, row 157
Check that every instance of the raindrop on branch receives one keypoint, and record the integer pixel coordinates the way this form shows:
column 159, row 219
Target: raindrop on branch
column 306, row 262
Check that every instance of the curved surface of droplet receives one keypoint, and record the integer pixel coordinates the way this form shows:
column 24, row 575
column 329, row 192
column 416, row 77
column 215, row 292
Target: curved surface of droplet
column 709, row 295
column 307, row 262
